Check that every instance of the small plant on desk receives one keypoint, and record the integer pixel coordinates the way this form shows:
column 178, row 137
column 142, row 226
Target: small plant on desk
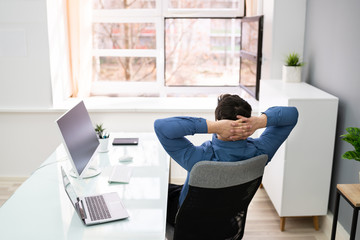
column 103, row 137
column 100, row 131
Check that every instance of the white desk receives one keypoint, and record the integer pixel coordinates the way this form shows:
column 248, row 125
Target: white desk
column 40, row 208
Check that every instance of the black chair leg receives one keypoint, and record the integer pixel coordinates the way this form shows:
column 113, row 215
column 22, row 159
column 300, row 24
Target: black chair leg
column 335, row 218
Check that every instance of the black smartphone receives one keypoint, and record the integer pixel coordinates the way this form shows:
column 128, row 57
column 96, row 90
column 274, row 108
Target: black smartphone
column 125, row 141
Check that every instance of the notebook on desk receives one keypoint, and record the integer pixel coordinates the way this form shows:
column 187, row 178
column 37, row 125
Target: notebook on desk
column 125, row 141
column 96, row 209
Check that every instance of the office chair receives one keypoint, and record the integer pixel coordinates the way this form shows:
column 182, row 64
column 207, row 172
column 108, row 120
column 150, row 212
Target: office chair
column 218, row 198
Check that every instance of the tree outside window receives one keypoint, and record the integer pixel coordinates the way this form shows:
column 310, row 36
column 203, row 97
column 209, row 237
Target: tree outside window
column 148, row 41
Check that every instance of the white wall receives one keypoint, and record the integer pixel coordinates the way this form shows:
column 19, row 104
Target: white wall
column 284, row 31
column 24, row 55
column 28, row 139
column 25, row 83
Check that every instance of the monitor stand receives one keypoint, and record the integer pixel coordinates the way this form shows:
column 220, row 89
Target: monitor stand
column 90, row 172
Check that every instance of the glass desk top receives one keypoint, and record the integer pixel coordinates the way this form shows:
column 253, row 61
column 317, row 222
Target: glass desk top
column 40, row 208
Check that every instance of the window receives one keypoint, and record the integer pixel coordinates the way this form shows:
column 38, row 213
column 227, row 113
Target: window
column 202, row 51
column 251, row 54
column 125, row 48
column 163, row 47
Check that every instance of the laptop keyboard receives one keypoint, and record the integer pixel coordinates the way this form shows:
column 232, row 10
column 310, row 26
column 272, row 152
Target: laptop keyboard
column 97, row 208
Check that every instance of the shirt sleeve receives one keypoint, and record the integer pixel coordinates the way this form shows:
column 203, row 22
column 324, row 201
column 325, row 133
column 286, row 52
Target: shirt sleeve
column 171, row 133
column 280, row 122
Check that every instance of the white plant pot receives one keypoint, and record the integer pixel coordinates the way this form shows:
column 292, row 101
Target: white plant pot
column 104, row 145
column 291, row 74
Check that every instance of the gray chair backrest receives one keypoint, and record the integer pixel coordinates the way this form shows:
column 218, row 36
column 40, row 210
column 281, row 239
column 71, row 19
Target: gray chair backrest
column 210, row 174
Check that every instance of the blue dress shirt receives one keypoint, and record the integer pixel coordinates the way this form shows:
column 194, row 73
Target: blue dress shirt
column 172, row 131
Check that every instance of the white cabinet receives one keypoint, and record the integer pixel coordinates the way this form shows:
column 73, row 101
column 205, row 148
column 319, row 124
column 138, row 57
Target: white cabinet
column 297, row 179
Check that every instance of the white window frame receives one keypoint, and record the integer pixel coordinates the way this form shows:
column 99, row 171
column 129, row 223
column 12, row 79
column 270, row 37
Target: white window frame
column 156, row 16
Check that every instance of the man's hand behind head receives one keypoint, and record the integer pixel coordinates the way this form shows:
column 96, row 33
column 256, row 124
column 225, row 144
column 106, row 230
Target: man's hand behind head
column 229, row 130
column 245, row 127
column 242, row 129
column 234, row 130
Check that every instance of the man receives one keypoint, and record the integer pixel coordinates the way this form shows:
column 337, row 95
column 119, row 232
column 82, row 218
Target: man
column 230, row 142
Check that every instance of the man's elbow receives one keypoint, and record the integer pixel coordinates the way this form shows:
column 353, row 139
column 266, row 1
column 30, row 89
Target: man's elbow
column 157, row 125
column 295, row 114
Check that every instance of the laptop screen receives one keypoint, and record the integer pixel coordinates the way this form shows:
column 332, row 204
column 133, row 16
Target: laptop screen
column 79, row 136
column 69, row 188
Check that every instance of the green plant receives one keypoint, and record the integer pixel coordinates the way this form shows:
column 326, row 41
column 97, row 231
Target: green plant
column 352, row 137
column 293, row 59
column 100, row 131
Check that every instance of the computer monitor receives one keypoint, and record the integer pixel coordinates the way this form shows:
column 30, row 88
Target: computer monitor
column 80, row 140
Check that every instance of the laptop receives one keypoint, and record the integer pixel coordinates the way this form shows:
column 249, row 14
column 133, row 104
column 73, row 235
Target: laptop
column 95, row 209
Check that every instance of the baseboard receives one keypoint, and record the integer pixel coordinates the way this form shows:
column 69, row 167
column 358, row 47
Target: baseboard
column 13, row 179
column 326, row 226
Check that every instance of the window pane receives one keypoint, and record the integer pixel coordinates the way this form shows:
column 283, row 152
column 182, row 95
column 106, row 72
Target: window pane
column 125, row 69
column 123, row 4
column 248, row 73
column 250, row 36
column 231, row 4
column 200, row 53
column 124, row 35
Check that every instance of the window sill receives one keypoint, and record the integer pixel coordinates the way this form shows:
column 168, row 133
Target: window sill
column 146, row 104
column 138, row 104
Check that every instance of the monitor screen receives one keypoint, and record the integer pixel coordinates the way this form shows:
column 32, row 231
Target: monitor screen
column 79, row 137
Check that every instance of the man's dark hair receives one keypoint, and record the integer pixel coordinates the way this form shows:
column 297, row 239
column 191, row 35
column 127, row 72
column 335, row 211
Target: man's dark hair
column 229, row 106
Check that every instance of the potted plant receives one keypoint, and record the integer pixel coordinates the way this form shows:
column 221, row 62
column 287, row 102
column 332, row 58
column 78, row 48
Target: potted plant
column 103, row 138
column 291, row 71
column 352, row 137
